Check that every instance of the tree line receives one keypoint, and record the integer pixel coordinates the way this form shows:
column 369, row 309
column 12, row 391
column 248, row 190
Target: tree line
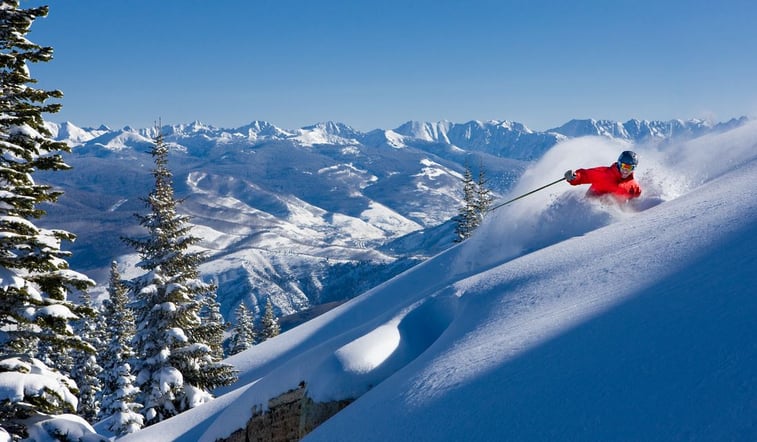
column 154, row 348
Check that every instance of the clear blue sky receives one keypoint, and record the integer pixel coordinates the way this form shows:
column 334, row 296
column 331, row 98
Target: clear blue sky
column 378, row 64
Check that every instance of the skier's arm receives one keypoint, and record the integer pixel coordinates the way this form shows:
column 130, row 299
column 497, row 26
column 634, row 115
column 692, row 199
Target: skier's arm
column 582, row 176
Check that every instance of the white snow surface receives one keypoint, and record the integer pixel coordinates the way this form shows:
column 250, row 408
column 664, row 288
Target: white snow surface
column 561, row 318
column 52, row 428
column 20, row 377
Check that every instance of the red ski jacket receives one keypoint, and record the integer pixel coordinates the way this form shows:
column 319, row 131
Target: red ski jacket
column 606, row 180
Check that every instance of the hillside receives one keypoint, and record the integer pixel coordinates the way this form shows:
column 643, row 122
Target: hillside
column 560, row 318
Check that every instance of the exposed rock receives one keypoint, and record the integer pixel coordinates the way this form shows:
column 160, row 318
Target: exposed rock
column 288, row 417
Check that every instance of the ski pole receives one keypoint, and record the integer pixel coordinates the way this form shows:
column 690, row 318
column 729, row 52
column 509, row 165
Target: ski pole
column 525, row 194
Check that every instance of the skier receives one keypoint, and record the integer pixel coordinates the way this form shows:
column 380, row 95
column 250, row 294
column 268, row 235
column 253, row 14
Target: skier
column 616, row 180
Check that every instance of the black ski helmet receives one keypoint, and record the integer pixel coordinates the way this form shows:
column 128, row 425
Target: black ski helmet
column 628, row 157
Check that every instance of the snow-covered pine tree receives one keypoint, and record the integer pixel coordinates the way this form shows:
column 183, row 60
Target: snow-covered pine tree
column 87, row 370
column 119, row 409
column 85, row 374
column 484, row 196
column 477, row 199
column 467, row 217
column 35, row 279
column 175, row 368
column 243, row 334
column 269, row 324
column 212, row 323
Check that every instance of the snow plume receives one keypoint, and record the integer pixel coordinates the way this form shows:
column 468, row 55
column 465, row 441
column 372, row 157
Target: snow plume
column 550, row 215
column 710, row 156
column 665, row 172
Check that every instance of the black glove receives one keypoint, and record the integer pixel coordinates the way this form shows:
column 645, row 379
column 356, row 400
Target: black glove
column 570, row 176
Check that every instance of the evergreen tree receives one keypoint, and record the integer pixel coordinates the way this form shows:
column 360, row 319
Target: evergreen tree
column 269, row 323
column 484, row 196
column 119, row 409
column 467, row 217
column 175, row 368
column 100, row 336
column 85, row 374
column 243, row 335
column 119, row 321
column 35, row 279
column 477, row 198
column 86, row 371
column 212, row 324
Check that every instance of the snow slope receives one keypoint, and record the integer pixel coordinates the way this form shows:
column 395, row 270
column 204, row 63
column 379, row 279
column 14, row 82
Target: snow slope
column 559, row 319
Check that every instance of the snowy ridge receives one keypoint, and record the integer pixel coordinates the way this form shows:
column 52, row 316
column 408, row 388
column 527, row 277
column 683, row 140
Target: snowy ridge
column 514, row 137
column 640, row 130
column 72, row 134
column 628, row 325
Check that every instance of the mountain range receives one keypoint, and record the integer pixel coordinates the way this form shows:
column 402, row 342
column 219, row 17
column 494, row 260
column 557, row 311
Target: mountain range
column 308, row 217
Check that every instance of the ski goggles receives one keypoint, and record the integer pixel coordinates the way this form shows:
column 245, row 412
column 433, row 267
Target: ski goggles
column 625, row 167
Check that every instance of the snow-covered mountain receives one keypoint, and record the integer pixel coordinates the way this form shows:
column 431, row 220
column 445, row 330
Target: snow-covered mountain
column 307, row 216
column 561, row 318
column 640, row 130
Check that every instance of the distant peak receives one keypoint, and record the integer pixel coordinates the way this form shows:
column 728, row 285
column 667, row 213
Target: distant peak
column 331, row 126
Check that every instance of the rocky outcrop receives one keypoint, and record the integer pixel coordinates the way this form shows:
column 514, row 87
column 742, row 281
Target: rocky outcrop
column 288, row 417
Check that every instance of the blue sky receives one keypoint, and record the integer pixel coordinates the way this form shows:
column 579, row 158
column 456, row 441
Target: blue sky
column 379, row 64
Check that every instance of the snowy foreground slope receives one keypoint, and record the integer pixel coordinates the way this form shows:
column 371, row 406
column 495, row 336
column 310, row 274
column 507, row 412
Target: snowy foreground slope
column 559, row 319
